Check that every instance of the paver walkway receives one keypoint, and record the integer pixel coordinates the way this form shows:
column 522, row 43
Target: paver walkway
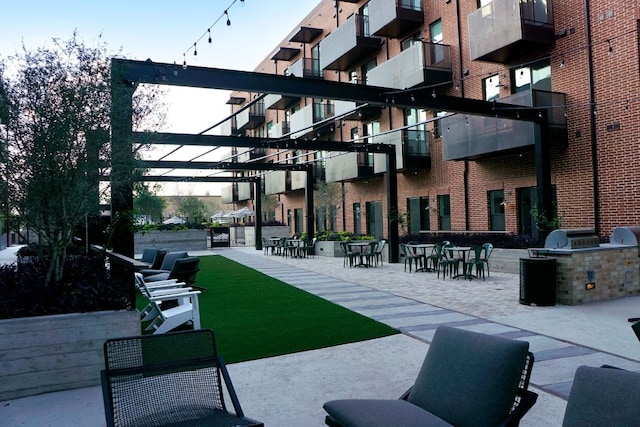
column 360, row 291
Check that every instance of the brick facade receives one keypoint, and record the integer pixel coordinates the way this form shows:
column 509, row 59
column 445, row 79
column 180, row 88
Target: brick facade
column 603, row 137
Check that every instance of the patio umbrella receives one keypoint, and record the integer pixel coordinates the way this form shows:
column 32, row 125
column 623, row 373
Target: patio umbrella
column 174, row 220
column 219, row 215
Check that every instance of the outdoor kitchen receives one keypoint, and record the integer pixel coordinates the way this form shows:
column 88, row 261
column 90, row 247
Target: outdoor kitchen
column 587, row 271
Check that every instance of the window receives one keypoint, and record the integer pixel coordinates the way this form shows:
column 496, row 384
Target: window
column 357, row 219
column 437, row 125
column 491, row 88
column 444, row 212
column 497, row 202
column 298, row 220
column 437, row 52
column 374, row 219
column 535, row 76
column 365, row 68
column 410, row 41
column 315, row 61
column 415, row 138
column 418, row 209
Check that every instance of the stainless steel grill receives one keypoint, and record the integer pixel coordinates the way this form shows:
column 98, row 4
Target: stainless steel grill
column 626, row 236
column 574, row 238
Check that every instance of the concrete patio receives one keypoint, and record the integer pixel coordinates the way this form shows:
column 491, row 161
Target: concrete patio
column 289, row 390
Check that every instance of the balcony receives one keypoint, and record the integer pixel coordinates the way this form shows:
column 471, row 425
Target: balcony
column 298, row 180
column 348, row 45
column 247, row 154
column 304, row 122
column 228, row 127
column 505, row 30
column 395, row 18
column 277, row 182
column 349, row 167
column 473, row 137
column 245, row 191
column 251, row 117
column 279, row 102
column 279, row 129
column 422, row 63
column 307, row 68
column 229, row 193
column 412, row 149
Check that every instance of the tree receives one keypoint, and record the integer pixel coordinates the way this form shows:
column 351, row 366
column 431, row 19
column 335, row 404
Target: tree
column 192, row 208
column 146, row 202
column 58, row 143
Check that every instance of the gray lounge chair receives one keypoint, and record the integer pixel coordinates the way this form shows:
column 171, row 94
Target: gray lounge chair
column 603, row 397
column 467, row 379
column 167, row 263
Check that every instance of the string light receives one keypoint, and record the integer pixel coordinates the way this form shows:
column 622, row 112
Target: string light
column 562, row 60
column 209, row 31
column 228, row 20
column 610, row 49
column 195, row 50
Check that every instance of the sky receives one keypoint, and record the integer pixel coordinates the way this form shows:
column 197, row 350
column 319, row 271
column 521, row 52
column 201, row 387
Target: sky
column 162, row 31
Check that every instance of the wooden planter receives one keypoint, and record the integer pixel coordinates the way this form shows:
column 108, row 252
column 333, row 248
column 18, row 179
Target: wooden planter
column 60, row 352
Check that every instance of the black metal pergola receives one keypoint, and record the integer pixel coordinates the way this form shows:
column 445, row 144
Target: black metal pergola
column 127, row 74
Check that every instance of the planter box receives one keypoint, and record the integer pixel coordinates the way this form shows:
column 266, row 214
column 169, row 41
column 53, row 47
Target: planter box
column 330, row 249
column 171, row 240
column 59, row 352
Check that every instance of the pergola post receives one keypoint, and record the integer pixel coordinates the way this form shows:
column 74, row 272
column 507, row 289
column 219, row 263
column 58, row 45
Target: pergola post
column 308, row 194
column 121, row 162
column 392, row 205
column 258, row 211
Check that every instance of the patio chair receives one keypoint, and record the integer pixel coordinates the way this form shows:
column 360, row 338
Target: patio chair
column 488, row 249
column 167, row 263
column 183, row 309
column 370, row 254
column 603, row 397
column 410, row 257
column 172, row 379
column 379, row 251
column 448, row 263
column 183, row 270
column 164, row 289
column 467, row 379
column 347, row 255
column 309, row 249
column 475, row 260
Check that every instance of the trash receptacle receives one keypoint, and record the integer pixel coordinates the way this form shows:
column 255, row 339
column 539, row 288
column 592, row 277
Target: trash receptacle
column 538, row 281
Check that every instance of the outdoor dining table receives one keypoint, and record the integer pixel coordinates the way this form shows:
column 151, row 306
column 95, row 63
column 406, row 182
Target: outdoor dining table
column 360, row 248
column 422, row 247
column 464, row 252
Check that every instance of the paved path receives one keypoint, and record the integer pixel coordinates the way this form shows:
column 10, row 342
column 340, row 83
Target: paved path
column 397, row 298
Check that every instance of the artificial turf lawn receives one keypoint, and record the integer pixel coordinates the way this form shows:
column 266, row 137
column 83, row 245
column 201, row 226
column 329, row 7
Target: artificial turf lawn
column 256, row 316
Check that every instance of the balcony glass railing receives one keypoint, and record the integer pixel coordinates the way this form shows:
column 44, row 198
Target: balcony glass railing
column 416, row 143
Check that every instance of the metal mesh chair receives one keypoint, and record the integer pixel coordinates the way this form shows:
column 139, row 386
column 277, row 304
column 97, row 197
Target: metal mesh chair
column 170, row 379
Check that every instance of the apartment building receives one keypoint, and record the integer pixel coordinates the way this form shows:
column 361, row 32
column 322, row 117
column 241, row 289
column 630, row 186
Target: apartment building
column 578, row 59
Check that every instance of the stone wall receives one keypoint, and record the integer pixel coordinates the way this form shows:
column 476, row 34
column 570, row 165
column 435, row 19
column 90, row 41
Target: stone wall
column 614, row 269
column 61, row 352
column 178, row 240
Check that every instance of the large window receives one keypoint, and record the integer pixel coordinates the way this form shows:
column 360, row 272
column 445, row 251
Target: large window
column 444, row 212
column 418, row 209
column 491, row 87
column 298, row 220
column 533, row 76
column 497, row 202
column 357, row 219
column 374, row 219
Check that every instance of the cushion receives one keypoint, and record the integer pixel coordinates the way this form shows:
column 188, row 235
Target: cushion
column 468, row 378
column 148, row 255
column 605, row 397
column 380, row 413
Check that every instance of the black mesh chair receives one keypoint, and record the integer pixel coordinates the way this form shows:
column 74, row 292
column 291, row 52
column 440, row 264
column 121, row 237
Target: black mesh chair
column 467, row 379
column 171, row 379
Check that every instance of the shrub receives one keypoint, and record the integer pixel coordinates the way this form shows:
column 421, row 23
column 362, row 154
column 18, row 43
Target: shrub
column 499, row 240
column 84, row 287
